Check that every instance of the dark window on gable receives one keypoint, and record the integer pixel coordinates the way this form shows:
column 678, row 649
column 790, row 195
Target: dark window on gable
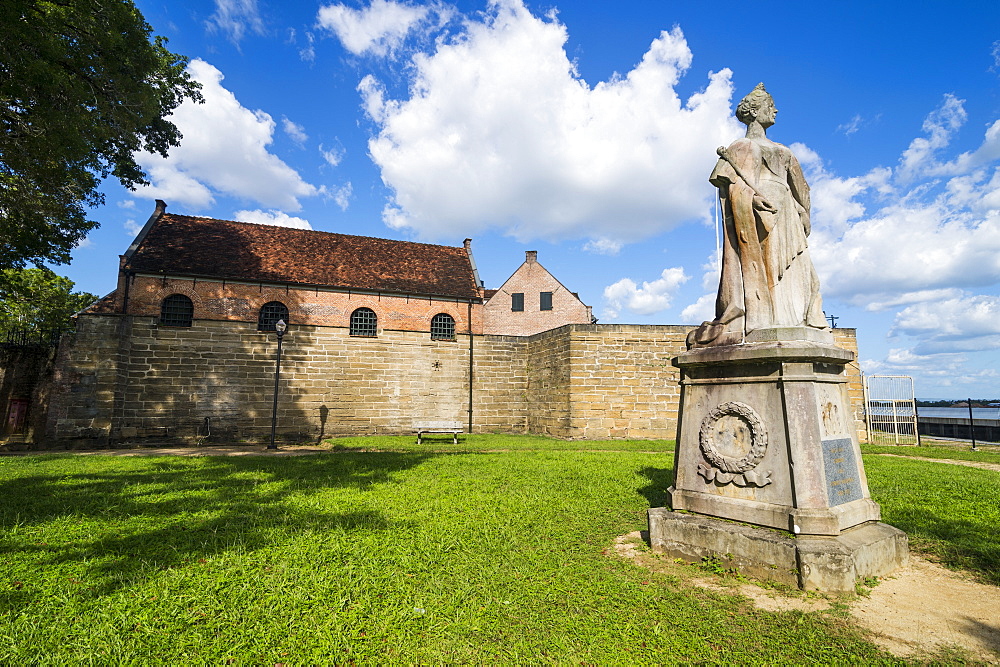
column 443, row 327
column 364, row 322
column 545, row 300
column 176, row 311
column 270, row 313
column 517, row 301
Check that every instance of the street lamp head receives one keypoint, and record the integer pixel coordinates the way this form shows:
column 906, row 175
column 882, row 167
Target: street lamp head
column 280, row 327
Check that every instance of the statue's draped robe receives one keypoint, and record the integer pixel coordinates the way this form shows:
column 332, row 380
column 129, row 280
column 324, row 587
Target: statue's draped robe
column 768, row 279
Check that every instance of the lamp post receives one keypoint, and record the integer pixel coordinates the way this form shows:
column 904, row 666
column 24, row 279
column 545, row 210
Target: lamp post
column 279, row 328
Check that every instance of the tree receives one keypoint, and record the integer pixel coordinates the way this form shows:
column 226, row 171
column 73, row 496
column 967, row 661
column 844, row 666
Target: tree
column 38, row 299
column 82, row 88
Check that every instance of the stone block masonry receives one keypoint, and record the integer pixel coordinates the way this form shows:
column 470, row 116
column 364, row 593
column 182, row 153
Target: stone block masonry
column 125, row 379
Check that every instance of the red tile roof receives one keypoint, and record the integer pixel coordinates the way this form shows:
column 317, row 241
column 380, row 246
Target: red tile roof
column 182, row 245
column 104, row 305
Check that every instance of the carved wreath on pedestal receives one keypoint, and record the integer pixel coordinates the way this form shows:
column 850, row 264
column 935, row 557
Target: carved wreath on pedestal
column 725, row 469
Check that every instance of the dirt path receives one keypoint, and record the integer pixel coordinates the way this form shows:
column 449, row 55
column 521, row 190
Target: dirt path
column 920, row 610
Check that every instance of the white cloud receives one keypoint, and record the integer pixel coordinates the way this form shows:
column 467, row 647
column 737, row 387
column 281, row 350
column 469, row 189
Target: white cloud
column 127, row 203
column 502, row 132
column 272, row 217
column 702, row 310
column 132, row 227
column 295, row 132
column 652, row 297
column 378, row 29
column 923, row 233
column 236, row 18
column 224, row 151
column 308, row 52
column 603, row 246
column 966, row 322
column 342, row 196
column 332, row 156
column 940, row 125
column 851, row 126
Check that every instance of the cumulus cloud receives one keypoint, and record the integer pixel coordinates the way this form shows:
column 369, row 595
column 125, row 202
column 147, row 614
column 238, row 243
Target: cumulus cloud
column 500, row 131
column 236, row 18
column 889, row 238
column 939, row 127
column 702, row 310
column 377, row 29
column 961, row 323
column 295, row 132
column 652, row 297
column 224, row 151
column 272, row 217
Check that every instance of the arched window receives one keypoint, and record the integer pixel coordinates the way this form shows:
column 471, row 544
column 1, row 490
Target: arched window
column 270, row 313
column 442, row 327
column 364, row 322
column 176, row 311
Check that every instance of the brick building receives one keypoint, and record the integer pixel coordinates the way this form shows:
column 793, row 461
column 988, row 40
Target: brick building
column 532, row 301
column 382, row 334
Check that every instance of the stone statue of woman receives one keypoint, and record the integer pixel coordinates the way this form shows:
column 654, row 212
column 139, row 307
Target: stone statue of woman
column 768, row 280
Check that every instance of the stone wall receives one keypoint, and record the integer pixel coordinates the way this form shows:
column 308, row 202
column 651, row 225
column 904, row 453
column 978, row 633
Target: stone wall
column 624, row 385
column 125, row 379
column 25, row 374
column 848, row 339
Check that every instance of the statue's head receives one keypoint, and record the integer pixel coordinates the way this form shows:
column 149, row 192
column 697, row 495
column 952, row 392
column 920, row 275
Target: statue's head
column 749, row 107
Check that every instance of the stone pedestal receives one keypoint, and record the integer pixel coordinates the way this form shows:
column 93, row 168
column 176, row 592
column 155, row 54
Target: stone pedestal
column 766, row 437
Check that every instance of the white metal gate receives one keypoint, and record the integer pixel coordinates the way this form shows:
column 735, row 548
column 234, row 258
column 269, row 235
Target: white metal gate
column 891, row 410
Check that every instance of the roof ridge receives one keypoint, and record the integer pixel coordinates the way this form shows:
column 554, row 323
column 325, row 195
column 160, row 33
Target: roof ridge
column 313, row 231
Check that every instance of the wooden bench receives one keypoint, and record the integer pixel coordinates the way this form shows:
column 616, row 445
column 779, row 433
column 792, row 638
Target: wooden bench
column 441, row 427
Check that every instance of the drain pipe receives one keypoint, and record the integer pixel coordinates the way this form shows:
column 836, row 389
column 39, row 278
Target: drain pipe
column 471, row 359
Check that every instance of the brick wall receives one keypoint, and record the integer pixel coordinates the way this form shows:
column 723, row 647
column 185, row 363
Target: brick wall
column 127, row 379
column 241, row 302
column 531, row 279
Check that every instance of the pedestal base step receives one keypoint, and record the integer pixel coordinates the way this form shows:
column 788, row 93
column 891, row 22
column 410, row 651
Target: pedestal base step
column 830, row 564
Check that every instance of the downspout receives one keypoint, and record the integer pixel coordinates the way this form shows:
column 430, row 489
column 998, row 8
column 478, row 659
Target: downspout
column 471, row 359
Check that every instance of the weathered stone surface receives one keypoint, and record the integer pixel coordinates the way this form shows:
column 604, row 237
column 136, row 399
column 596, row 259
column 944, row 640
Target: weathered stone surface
column 793, row 399
column 768, row 281
column 831, row 564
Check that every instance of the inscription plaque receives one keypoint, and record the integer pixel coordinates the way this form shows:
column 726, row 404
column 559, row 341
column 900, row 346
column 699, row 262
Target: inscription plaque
column 843, row 481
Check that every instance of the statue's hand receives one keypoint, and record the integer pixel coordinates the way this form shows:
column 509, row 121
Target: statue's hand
column 761, row 204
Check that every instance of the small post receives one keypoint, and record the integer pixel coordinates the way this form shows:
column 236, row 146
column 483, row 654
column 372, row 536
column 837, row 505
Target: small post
column 279, row 328
column 972, row 426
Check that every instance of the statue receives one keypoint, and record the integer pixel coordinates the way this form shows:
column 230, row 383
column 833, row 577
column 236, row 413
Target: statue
column 768, row 280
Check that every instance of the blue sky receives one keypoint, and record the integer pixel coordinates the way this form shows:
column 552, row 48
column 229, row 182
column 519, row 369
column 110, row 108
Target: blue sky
column 586, row 130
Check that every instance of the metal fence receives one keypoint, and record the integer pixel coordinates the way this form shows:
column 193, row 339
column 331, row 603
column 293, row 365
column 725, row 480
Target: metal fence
column 891, row 410
column 30, row 337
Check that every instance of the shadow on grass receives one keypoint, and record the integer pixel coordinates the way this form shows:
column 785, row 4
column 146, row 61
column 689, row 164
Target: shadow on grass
column 956, row 542
column 660, row 480
column 989, row 635
column 126, row 520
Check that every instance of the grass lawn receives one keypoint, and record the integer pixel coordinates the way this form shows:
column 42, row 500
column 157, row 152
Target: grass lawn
column 381, row 551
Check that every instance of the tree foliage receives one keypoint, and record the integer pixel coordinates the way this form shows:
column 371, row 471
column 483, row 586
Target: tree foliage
column 38, row 299
column 83, row 86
